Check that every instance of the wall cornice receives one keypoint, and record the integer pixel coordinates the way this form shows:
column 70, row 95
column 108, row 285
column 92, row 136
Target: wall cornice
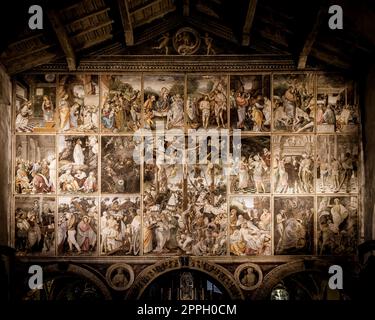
column 199, row 64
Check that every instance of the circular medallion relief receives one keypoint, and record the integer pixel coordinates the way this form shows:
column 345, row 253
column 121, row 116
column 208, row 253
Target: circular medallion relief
column 120, row 276
column 50, row 77
column 186, row 41
column 249, row 276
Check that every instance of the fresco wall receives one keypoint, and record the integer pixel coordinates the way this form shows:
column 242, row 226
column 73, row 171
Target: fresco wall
column 172, row 164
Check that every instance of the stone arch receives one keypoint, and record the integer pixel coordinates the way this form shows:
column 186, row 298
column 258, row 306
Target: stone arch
column 217, row 272
column 282, row 271
column 83, row 273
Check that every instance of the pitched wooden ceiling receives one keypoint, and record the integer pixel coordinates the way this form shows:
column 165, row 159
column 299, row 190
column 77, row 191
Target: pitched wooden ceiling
column 75, row 30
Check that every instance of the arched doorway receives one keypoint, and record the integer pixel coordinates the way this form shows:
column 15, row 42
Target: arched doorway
column 300, row 280
column 212, row 277
column 69, row 282
column 306, row 285
column 184, row 284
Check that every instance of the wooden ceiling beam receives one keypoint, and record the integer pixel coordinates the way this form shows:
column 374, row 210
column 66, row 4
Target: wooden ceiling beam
column 30, row 63
column 348, row 40
column 284, row 25
column 138, row 23
column 330, row 58
column 22, row 41
column 96, row 41
column 277, row 13
column 126, row 22
column 73, row 6
column 29, row 53
column 348, row 56
column 310, row 39
column 104, row 24
column 160, row 28
column 93, row 14
column 275, row 36
column 248, row 22
column 146, row 6
column 63, row 39
column 212, row 27
column 151, row 11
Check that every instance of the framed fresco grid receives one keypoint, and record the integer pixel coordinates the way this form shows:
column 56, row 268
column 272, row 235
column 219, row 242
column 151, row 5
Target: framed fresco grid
column 254, row 164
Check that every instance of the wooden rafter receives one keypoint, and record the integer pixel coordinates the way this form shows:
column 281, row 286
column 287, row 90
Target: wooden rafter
column 330, row 58
column 275, row 36
column 139, row 22
column 310, row 40
column 22, row 41
column 96, row 27
column 29, row 53
column 91, row 43
column 126, row 22
column 63, row 39
column 141, row 15
column 30, row 63
column 93, row 14
column 157, row 30
column 146, row 6
column 248, row 22
column 212, row 27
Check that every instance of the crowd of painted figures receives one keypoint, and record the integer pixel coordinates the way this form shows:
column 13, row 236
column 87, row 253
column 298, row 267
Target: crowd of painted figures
column 288, row 185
